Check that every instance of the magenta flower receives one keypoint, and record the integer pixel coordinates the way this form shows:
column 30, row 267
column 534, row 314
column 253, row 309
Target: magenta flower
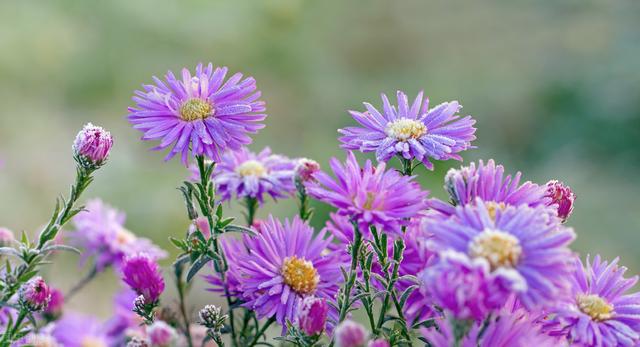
column 562, row 197
column 244, row 174
column 369, row 195
column 312, row 316
column 92, row 145
column 75, row 330
column 350, row 334
column 201, row 113
column 305, row 169
column 35, row 294
column 101, row 234
column 513, row 240
column 56, row 303
column 143, row 275
column 286, row 264
column 410, row 131
column 601, row 312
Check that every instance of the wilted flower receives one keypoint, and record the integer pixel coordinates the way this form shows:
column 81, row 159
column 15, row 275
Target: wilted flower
column 410, row 131
column 312, row 316
column 35, row 294
column 369, row 195
column 211, row 317
column 92, row 146
column 350, row 334
column 305, row 169
column 562, row 197
column 56, row 303
column 143, row 275
column 6, row 237
column 202, row 113
column 161, row 334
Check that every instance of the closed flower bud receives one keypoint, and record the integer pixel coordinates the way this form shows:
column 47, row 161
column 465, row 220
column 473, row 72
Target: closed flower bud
column 305, row 169
column 561, row 196
column 161, row 334
column 54, row 308
column 35, row 294
column 211, row 317
column 138, row 342
column 92, row 146
column 6, row 237
column 350, row 334
column 313, row 315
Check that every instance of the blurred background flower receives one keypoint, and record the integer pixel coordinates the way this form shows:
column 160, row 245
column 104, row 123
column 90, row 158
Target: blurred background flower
column 554, row 87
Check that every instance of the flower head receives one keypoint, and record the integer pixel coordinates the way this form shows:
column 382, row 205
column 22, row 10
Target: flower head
column 143, row 275
column 75, row 330
column 100, row 232
column 56, row 303
column 6, row 237
column 35, row 294
column 601, row 312
column 285, row 264
column 234, row 251
column 162, row 334
column 562, row 197
column 350, row 334
column 410, row 131
column 516, row 242
column 248, row 175
column 369, row 195
column 200, row 113
column 312, row 315
column 92, row 146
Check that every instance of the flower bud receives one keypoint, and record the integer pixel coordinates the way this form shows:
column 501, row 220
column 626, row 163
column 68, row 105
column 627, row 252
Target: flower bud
column 161, row 334
column 35, row 294
column 313, row 315
column 143, row 275
column 378, row 343
column 350, row 334
column 211, row 317
column 561, row 196
column 202, row 224
column 92, row 146
column 138, row 342
column 305, row 169
column 6, row 237
column 54, row 308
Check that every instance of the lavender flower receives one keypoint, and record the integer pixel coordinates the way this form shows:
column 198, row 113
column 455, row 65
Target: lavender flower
column 248, row 175
column 123, row 320
column 312, row 315
column 92, row 146
column 350, row 334
column 562, row 197
column 522, row 240
column 601, row 313
column 201, row 113
column 410, row 131
column 162, row 334
column 369, row 195
column 75, row 330
column 100, row 232
column 285, row 264
column 35, row 294
column 143, row 275
column 6, row 237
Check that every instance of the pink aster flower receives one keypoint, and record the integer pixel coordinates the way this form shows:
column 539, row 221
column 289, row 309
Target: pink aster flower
column 410, row 131
column 305, row 169
column 312, row 316
column 92, row 145
column 200, row 113
column 162, row 334
column 245, row 174
column 143, row 275
column 350, row 334
column 602, row 312
column 286, row 263
column 369, row 195
column 562, row 198
column 56, row 303
column 35, row 294
column 100, row 232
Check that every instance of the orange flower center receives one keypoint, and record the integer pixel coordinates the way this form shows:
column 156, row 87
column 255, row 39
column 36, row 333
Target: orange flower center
column 300, row 275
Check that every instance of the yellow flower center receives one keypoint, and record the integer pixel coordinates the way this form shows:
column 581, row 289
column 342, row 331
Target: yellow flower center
column 500, row 249
column 368, row 204
column 91, row 341
column 595, row 306
column 493, row 207
column 194, row 109
column 300, row 275
column 251, row 168
column 405, row 128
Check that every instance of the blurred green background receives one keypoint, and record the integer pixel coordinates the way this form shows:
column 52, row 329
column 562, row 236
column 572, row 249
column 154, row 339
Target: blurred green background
column 554, row 87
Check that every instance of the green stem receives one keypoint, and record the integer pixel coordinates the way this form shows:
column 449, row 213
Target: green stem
column 407, row 166
column 6, row 341
column 260, row 332
column 346, row 295
column 398, row 249
column 252, row 210
column 183, row 307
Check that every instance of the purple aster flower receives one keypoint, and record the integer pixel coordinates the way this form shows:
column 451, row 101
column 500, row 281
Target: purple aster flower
column 285, row 264
column 162, row 334
column 100, row 232
column 248, row 175
column 350, row 334
column 523, row 240
column 143, row 275
column 466, row 288
column 92, row 145
column 410, row 131
column 369, row 195
column 312, row 316
column 562, row 197
column 123, row 320
column 201, row 113
column 601, row 313
column 234, row 251
column 35, row 294
column 489, row 183
column 75, row 330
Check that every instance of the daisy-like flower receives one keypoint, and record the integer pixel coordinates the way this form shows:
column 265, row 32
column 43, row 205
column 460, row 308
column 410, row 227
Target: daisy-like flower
column 143, row 275
column 601, row 313
column 286, row 264
column 245, row 174
column 489, row 183
column 516, row 242
column 410, row 131
column 369, row 195
column 234, row 251
column 100, row 232
column 75, row 330
column 200, row 113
